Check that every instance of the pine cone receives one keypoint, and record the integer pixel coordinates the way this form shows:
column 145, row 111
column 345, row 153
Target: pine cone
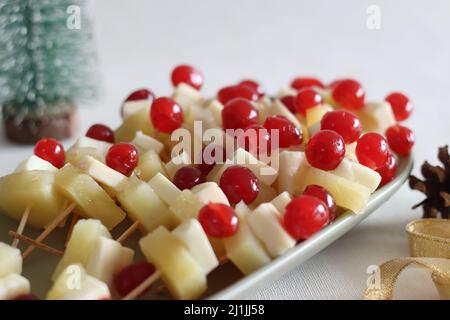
column 436, row 187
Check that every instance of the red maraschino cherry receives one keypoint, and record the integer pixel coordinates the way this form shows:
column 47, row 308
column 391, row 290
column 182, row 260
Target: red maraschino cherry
column 229, row 93
column 218, row 220
column 239, row 183
column 343, row 122
column 400, row 104
column 400, row 139
column 239, row 113
column 307, row 98
column 166, row 115
column 122, row 157
column 325, row 150
column 100, row 132
column 349, row 94
column 306, row 82
column 188, row 75
column 50, row 150
column 372, row 150
column 289, row 135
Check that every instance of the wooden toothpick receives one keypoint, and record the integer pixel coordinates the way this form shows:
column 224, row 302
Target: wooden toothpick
column 143, row 286
column 127, row 233
column 37, row 244
column 49, row 229
column 21, row 226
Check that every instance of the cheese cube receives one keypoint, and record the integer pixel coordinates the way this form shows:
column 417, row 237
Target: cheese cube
column 81, row 244
column 141, row 202
column 281, row 201
column 74, row 283
column 92, row 201
column 144, row 143
column 265, row 223
column 193, row 236
column 181, row 273
column 350, row 151
column 31, row 188
column 149, row 165
column 243, row 248
column 177, row 162
column 12, row 286
column 210, row 192
column 130, row 108
column 10, row 260
column 290, row 164
column 103, row 174
column 265, row 194
column 35, row 163
column 164, row 188
column 108, row 257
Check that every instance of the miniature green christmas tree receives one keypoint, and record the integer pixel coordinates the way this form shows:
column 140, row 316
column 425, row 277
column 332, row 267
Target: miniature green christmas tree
column 46, row 66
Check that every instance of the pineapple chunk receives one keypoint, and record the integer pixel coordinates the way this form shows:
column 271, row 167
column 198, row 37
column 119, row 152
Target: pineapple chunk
column 210, row 192
column 75, row 156
column 358, row 173
column 144, row 143
column 139, row 121
column 314, row 129
column 177, row 162
column 243, row 248
column 149, row 165
column 143, row 205
column 315, row 114
column 181, row 273
column 376, row 117
column 193, row 236
column 75, row 284
column 186, row 205
column 291, row 163
column 81, row 244
column 92, row 201
column 12, row 286
column 165, row 189
column 265, row 223
column 35, row 163
column 114, row 180
column 10, row 260
column 131, row 107
column 35, row 189
column 265, row 173
column 108, row 257
column 85, row 145
column 186, row 96
column 347, row 194
column 281, row 201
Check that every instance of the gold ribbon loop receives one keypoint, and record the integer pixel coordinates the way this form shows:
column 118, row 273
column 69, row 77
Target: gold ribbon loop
column 429, row 242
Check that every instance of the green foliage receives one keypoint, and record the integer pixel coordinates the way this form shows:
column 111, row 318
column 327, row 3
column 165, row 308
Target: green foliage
column 43, row 63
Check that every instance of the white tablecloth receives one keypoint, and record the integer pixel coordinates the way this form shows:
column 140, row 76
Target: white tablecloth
column 139, row 42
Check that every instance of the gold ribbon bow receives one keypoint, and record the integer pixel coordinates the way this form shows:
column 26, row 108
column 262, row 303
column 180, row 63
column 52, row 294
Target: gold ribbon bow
column 429, row 242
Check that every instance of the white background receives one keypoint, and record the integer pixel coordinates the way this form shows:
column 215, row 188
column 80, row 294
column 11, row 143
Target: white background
column 139, row 42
